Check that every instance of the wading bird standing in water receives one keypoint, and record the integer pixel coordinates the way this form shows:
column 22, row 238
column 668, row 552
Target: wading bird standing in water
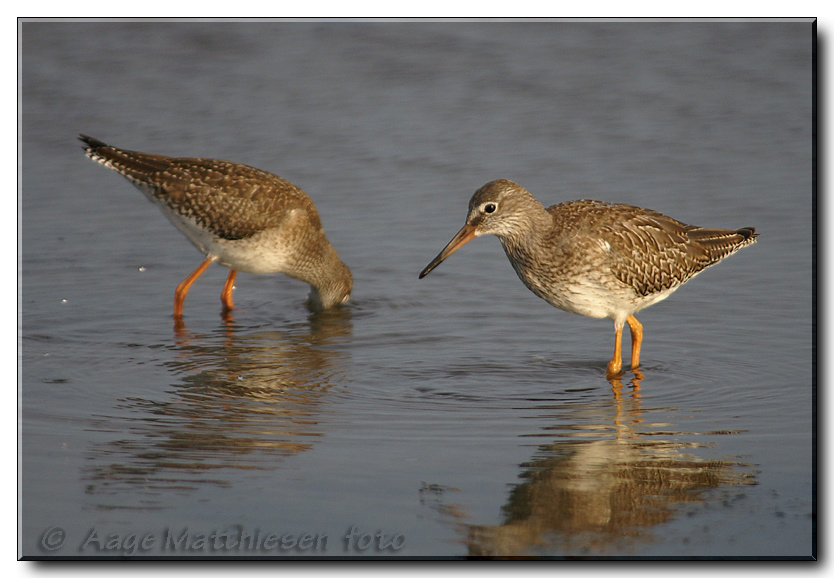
column 244, row 218
column 596, row 259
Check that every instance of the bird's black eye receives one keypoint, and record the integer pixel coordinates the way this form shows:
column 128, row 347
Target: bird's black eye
column 490, row 207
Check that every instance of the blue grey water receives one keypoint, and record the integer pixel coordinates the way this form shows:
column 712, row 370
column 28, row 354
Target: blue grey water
column 457, row 415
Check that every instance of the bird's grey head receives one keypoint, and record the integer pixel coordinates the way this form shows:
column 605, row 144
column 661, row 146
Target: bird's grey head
column 333, row 291
column 501, row 208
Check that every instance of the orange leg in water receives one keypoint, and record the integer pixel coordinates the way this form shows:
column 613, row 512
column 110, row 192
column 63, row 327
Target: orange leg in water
column 226, row 296
column 182, row 288
column 615, row 366
column 636, row 339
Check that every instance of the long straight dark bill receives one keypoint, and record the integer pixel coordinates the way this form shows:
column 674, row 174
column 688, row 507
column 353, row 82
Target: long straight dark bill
column 466, row 234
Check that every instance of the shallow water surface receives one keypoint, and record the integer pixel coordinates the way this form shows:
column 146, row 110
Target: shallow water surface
column 450, row 416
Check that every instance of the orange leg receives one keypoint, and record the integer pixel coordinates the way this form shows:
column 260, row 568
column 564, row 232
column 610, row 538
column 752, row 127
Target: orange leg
column 182, row 288
column 615, row 366
column 636, row 339
column 226, row 296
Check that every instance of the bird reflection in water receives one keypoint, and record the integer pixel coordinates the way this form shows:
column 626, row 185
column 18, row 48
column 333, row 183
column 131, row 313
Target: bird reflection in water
column 594, row 497
column 244, row 400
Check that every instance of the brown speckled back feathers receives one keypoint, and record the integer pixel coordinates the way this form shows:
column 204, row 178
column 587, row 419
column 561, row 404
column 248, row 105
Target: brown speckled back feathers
column 207, row 190
column 652, row 252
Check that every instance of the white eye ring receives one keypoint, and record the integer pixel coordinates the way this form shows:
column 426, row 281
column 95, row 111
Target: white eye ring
column 489, row 207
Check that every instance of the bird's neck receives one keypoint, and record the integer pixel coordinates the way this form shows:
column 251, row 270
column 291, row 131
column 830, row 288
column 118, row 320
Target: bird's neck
column 529, row 230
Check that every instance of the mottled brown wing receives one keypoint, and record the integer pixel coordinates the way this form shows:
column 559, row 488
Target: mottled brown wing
column 231, row 200
column 656, row 252
column 651, row 252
